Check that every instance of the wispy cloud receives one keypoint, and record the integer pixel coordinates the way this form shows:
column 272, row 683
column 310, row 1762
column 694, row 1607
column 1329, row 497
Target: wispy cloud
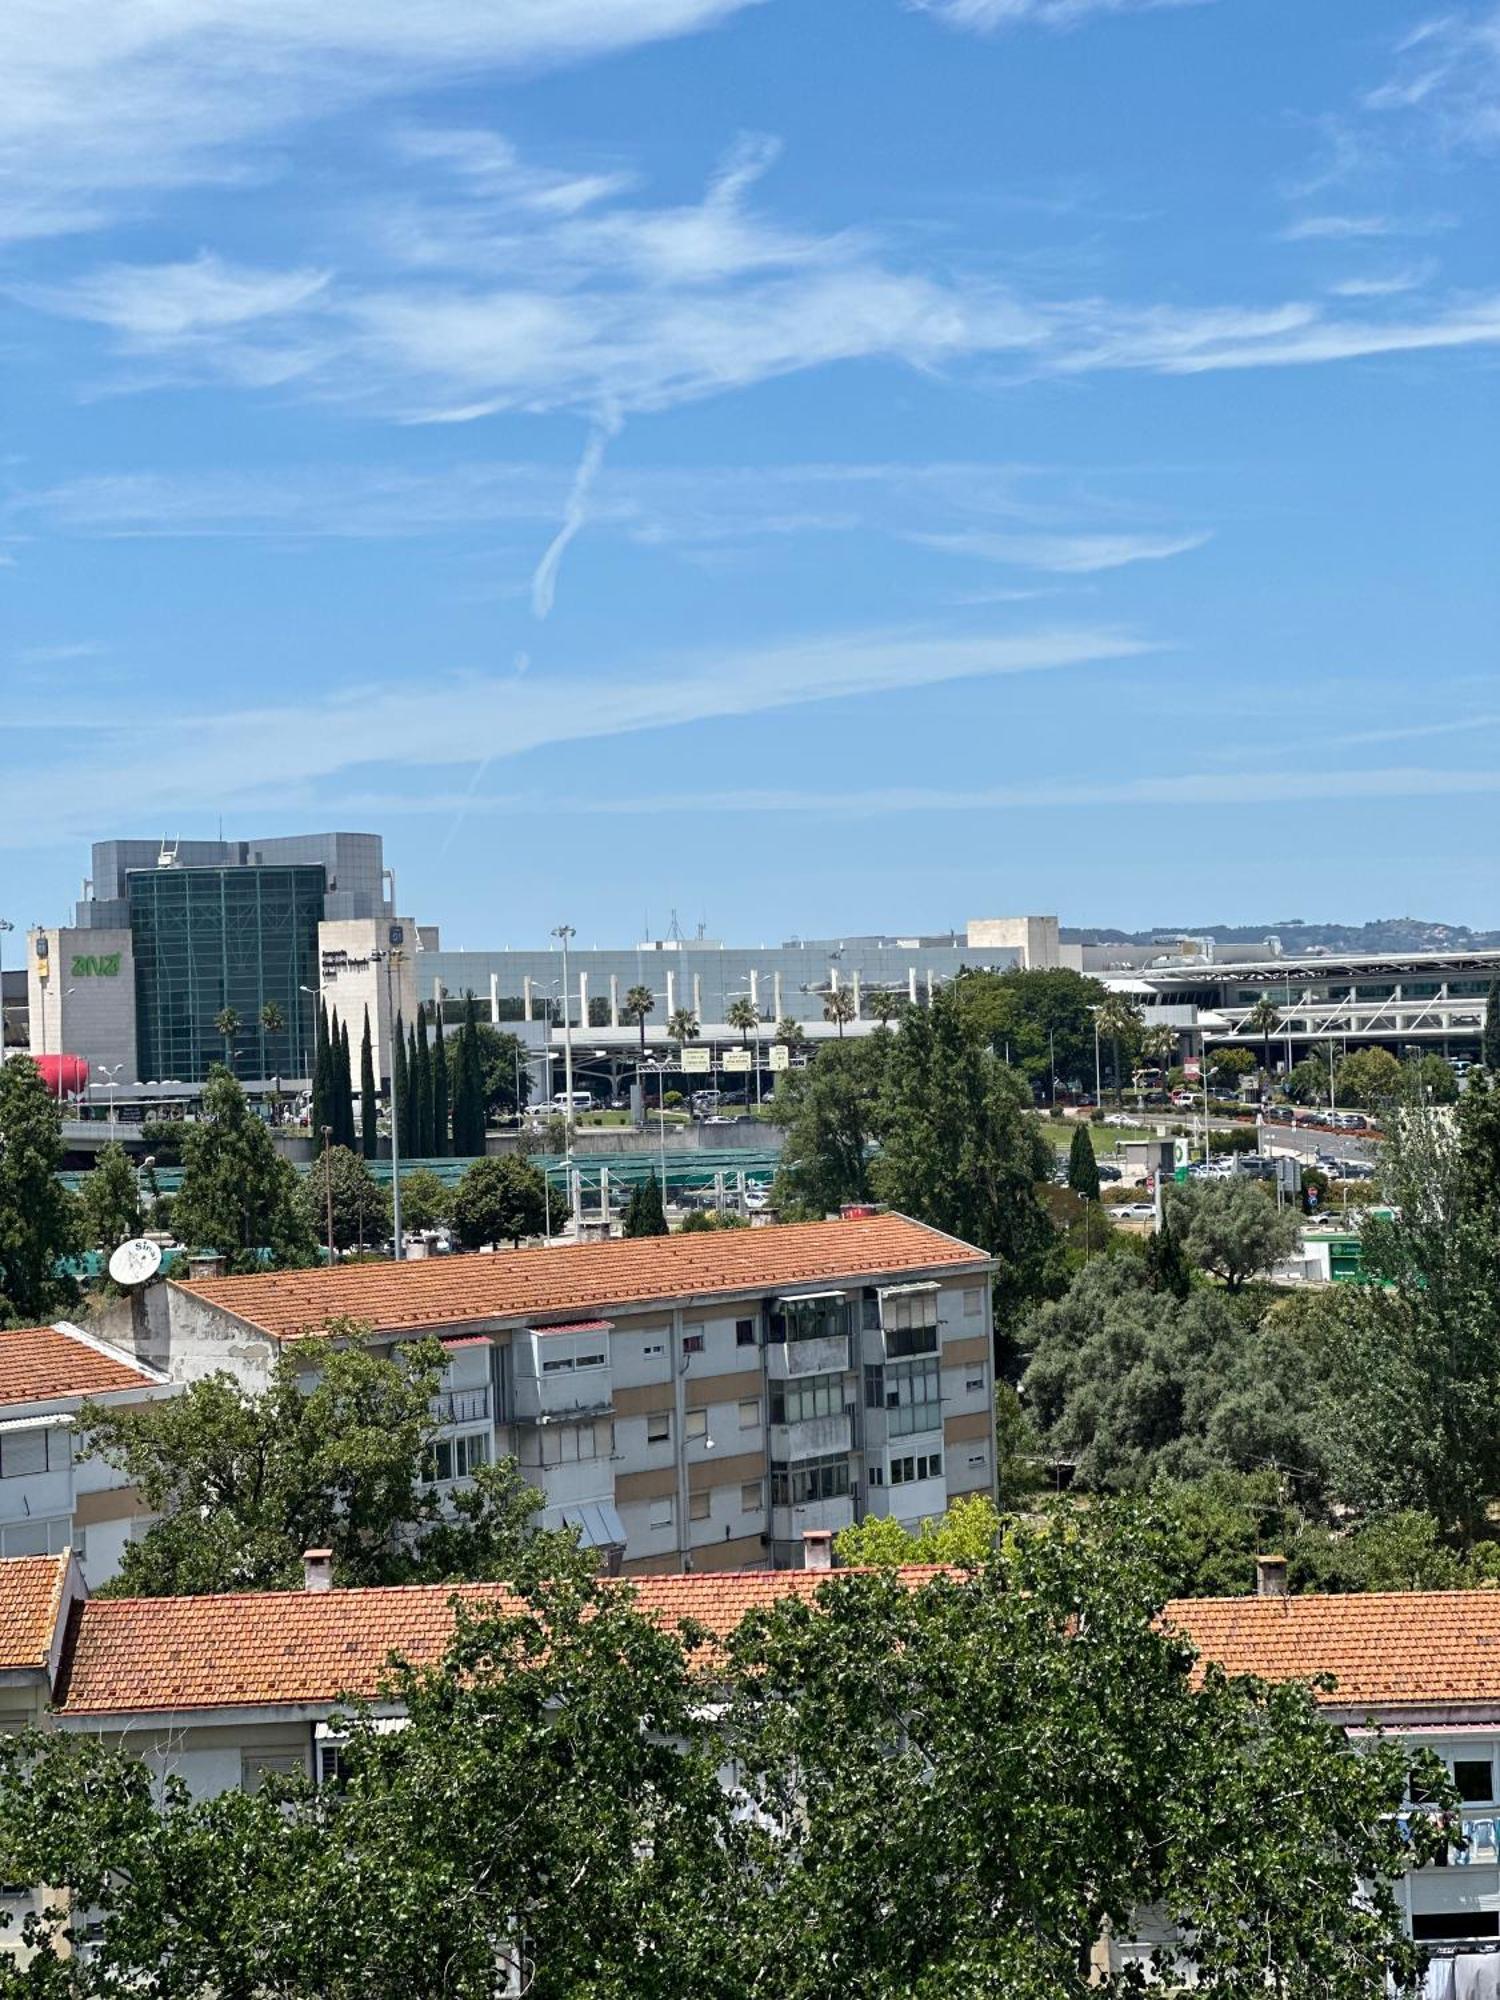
column 1447, row 73
column 194, row 761
column 1337, row 228
column 989, row 16
column 1384, row 284
column 102, row 103
column 544, row 580
column 1066, row 555
column 163, row 306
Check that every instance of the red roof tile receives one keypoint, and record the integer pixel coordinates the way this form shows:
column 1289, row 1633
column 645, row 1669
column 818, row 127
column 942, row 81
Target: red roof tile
column 1411, row 1649
column 171, row 1654
column 31, row 1589
column 582, row 1277
column 40, row 1363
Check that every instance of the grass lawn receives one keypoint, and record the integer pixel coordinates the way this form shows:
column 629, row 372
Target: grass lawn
column 1105, row 1138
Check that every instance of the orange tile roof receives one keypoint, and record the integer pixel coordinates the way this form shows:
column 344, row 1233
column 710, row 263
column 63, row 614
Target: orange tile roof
column 577, row 1277
column 1410, row 1649
column 173, row 1654
column 40, row 1363
column 31, row 1589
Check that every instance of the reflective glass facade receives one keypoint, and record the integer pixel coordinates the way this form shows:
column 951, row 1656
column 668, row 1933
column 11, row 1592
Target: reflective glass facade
column 209, row 938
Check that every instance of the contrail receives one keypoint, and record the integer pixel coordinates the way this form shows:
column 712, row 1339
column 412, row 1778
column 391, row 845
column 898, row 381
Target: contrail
column 544, row 580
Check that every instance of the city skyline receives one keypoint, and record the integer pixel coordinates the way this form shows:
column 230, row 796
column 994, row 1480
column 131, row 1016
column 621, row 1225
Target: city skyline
column 945, row 459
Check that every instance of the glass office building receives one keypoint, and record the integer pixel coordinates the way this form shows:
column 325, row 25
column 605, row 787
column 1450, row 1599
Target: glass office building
column 204, row 939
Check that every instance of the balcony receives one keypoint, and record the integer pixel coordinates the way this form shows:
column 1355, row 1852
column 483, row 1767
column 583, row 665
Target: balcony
column 790, row 1524
column 461, row 1406
column 828, row 1355
column 813, row 1437
column 564, row 1399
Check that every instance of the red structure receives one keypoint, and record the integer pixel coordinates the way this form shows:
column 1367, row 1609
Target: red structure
column 64, row 1076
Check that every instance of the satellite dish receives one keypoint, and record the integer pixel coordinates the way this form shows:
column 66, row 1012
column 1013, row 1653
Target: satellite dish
column 135, row 1261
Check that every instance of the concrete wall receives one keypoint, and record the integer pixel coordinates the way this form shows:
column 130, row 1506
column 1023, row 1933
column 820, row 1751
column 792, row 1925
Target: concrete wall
column 83, row 1007
column 1036, row 938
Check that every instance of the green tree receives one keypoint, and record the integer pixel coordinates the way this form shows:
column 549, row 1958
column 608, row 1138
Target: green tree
column 1227, row 1066
column 425, row 1200
column 1167, row 1266
column 703, row 1221
column 829, row 1114
column 272, row 1024
column 1120, row 1025
column 244, row 1480
column 361, row 1206
column 1026, row 1017
column 1128, row 1385
column 227, row 1026
column 1434, row 1078
column 958, row 1146
column 347, row 1136
column 468, row 1086
column 791, row 1035
column 238, row 1196
column 1489, row 1045
column 967, row 1533
column 425, row 1138
column 38, row 1218
column 1410, row 1361
column 838, row 1008
column 645, row 1212
column 1369, row 1077
column 635, row 1007
column 322, row 1075
column 1159, row 1046
column 1083, row 1168
column 369, row 1103
column 441, row 1090
column 400, row 1085
column 683, row 1026
column 503, row 1068
column 497, row 1201
column 1263, row 1020
column 411, row 1137
column 1233, row 1228
column 109, row 1201
column 744, row 1016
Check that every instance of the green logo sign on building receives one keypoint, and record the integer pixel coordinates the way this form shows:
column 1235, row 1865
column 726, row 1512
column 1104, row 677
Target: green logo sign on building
column 104, row 965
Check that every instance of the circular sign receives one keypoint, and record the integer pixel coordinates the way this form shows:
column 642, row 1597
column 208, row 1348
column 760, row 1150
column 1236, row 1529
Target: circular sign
column 135, row 1261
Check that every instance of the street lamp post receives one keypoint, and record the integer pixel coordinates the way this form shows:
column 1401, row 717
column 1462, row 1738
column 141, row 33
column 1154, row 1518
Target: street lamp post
column 112, row 1071
column 387, row 958
column 564, row 932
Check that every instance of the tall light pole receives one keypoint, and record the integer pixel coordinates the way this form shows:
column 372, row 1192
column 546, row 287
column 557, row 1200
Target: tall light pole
column 564, row 932
column 388, row 958
column 112, row 1071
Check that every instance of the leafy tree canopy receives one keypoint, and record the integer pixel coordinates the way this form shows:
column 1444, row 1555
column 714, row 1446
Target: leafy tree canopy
column 1028, row 1015
column 1371, row 1077
column 498, row 1201
column 361, row 1206
column 1083, row 1168
column 1233, row 1228
column 829, row 1112
column 237, row 1195
column 425, row 1199
column 38, row 1218
column 645, row 1212
column 968, row 1533
column 109, row 1201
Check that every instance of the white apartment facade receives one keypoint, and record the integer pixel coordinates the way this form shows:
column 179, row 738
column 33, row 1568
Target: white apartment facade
column 685, row 1402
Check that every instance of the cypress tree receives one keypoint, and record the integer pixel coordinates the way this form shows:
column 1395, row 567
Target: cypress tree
column 440, row 1141
column 645, row 1214
column 422, row 1116
column 346, row 1089
column 1489, row 1047
column 321, row 1075
column 468, row 1089
column 400, row 1083
column 369, row 1116
column 411, row 1131
column 1083, row 1169
column 1167, row 1266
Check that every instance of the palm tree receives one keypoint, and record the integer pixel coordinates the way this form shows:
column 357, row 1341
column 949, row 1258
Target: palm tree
column 273, row 1022
column 744, row 1015
column 227, row 1024
column 839, row 1008
column 636, row 1005
column 1263, row 1020
column 791, row 1035
column 683, row 1026
column 1119, row 1018
column 885, row 1005
column 1158, row 1046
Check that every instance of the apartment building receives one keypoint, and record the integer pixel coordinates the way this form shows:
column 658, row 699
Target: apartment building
column 50, row 1500
column 684, row 1401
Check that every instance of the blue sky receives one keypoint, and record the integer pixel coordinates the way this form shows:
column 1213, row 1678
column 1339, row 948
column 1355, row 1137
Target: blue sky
column 814, row 465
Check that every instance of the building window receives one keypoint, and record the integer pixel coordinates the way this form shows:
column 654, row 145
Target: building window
column 659, row 1427
column 973, row 1302
column 752, row 1500
column 913, row 1397
column 925, row 1465
column 46, row 1448
column 809, row 1319
column 39, row 1538
column 973, row 1385
column 813, row 1479
column 797, row 1402
column 699, row 1507
column 750, row 1414
column 589, row 1361
column 744, row 1333
column 876, row 1474
column 458, row 1457
column 977, row 1459
column 661, row 1513
column 552, row 1364
column 257, row 1766
column 653, row 1350
column 692, row 1340
column 697, row 1424
column 1474, row 1780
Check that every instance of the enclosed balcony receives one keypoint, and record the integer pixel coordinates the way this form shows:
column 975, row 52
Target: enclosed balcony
column 562, row 1374
column 807, row 1333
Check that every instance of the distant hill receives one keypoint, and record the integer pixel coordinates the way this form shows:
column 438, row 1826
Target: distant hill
column 1384, row 934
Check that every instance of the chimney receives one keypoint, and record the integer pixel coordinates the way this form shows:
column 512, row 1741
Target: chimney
column 1270, row 1576
column 317, row 1569
column 817, row 1548
column 206, row 1264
